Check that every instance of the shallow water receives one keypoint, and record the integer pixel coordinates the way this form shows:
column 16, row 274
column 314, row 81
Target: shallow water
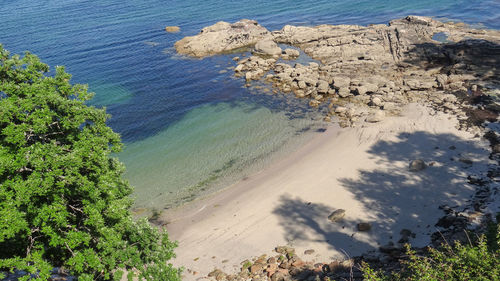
column 188, row 125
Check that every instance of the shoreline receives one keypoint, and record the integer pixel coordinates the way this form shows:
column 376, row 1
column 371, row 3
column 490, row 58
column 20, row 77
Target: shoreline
column 289, row 202
column 236, row 189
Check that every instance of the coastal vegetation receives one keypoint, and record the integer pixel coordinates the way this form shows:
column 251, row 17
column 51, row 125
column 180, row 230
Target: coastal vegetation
column 473, row 261
column 64, row 206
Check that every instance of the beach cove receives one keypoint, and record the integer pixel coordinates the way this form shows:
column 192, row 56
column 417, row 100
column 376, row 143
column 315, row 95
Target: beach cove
column 234, row 162
column 400, row 155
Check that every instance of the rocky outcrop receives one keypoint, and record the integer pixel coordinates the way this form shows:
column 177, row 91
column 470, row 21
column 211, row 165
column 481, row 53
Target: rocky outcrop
column 373, row 71
column 366, row 73
column 222, row 37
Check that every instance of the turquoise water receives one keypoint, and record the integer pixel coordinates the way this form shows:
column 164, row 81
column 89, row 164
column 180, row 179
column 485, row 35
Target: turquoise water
column 189, row 126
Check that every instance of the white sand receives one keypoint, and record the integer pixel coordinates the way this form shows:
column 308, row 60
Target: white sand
column 363, row 170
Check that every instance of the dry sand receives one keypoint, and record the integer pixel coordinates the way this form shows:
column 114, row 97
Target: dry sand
column 363, row 170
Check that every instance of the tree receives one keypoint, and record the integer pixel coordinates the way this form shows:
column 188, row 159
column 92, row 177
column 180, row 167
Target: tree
column 63, row 202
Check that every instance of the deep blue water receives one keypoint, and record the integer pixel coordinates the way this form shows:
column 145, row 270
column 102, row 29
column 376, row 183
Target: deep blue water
column 187, row 123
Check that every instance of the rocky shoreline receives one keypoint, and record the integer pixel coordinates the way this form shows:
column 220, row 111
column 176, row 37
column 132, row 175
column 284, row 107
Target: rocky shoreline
column 364, row 74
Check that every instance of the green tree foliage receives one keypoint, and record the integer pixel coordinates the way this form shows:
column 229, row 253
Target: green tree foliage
column 63, row 202
column 458, row 262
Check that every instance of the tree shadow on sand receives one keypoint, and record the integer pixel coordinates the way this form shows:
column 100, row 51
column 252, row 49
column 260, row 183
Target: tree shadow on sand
column 393, row 198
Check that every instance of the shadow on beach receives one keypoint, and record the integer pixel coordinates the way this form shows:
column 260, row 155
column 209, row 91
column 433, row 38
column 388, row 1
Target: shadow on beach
column 392, row 197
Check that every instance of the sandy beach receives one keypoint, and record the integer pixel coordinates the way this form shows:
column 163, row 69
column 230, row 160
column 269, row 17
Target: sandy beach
column 363, row 170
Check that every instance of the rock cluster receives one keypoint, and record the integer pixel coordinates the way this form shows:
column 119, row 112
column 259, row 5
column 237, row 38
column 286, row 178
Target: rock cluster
column 367, row 73
column 287, row 265
column 364, row 73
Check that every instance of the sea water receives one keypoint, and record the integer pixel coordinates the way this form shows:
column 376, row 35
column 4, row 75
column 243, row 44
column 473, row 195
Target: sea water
column 189, row 126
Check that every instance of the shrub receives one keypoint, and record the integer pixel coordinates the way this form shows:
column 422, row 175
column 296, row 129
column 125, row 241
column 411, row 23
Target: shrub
column 460, row 262
column 63, row 202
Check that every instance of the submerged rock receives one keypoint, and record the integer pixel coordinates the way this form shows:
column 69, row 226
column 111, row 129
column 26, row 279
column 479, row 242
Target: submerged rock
column 291, row 53
column 172, row 29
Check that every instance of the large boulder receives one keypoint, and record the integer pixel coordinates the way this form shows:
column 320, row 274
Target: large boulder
column 222, row 37
column 267, row 47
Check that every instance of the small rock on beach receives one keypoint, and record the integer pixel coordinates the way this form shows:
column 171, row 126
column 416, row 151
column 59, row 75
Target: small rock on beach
column 337, row 215
column 364, row 226
column 417, row 165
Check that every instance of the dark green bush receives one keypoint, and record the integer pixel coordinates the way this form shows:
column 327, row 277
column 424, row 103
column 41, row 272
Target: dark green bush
column 63, row 202
column 479, row 261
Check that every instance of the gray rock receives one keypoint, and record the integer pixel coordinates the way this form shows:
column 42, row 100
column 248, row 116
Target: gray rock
column 267, row 47
column 337, row 215
column 322, row 86
column 341, row 82
column 361, row 90
column 390, row 84
column 364, row 226
column 222, row 37
column 450, row 98
column 313, row 65
column 370, row 88
column 239, row 68
column 417, row 165
column 344, row 92
column 376, row 101
column 284, row 250
column 442, row 80
column 292, row 52
column 249, row 76
column 421, row 20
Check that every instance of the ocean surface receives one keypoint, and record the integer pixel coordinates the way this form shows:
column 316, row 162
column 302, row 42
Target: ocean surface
column 190, row 127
